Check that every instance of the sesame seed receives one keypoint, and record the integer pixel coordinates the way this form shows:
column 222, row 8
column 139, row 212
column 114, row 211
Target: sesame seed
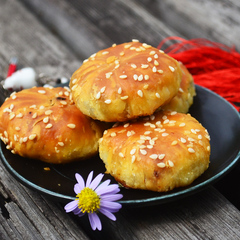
column 66, row 93
column 127, row 46
column 133, row 158
column 124, row 97
column 152, row 52
column 143, row 152
column 63, row 102
column 153, row 156
column 123, row 76
column 113, row 134
column 170, row 163
column 13, row 96
column 46, row 119
column 183, row 140
column 108, row 75
column 174, row 143
column 132, row 48
column 165, row 134
column 180, row 90
column 149, row 146
column 146, row 77
column 161, row 156
column 155, row 56
column 120, row 90
column 71, row 125
column 156, row 63
column 74, row 81
column 11, row 106
column 126, row 125
column 133, row 151
column 48, row 112
column 5, row 134
column 98, row 95
column 208, row 148
column 129, row 133
column 161, row 165
column 145, row 86
column 105, row 52
column 11, row 116
column 144, row 65
column 160, row 71
column 42, row 91
column 32, row 136
column 191, row 150
column 103, row 89
column 133, row 65
column 154, row 69
column 149, row 59
column 140, row 77
column 182, row 124
column 49, row 125
column 121, row 154
column 135, row 77
column 17, row 128
column 34, row 115
column 121, row 53
column 61, row 144
column 193, row 131
column 108, row 101
column 199, row 136
column 172, row 68
column 140, row 93
column 135, row 40
column 147, row 132
column 74, row 87
column 166, row 121
column 25, row 139
column 114, row 45
column 157, row 95
column 146, row 45
column 41, row 107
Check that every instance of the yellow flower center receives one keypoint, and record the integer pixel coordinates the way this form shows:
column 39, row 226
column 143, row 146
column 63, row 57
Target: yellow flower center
column 88, row 200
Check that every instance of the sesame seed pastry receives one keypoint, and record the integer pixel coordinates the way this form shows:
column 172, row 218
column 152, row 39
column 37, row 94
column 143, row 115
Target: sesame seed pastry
column 44, row 123
column 186, row 93
column 125, row 81
column 158, row 153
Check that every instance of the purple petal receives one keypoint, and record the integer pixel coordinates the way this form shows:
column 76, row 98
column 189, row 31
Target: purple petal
column 80, row 180
column 111, row 197
column 113, row 188
column 96, row 181
column 71, row 206
column 78, row 212
column 77, row 188
column 102, row 186
column 89, row 179
column 110, row 205
column 95, row 221
column 107, row 214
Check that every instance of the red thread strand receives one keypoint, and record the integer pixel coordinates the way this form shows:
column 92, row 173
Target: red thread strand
column 213, row 65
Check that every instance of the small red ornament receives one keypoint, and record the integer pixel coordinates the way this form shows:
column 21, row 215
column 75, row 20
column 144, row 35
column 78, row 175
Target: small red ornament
column 213, row 65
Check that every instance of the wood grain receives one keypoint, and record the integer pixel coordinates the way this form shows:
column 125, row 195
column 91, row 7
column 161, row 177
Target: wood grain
column 54, row 37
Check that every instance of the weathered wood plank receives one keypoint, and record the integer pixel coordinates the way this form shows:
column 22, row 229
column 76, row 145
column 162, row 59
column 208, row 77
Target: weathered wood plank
column 207, row 215
column 119, row 20
column 216, row 20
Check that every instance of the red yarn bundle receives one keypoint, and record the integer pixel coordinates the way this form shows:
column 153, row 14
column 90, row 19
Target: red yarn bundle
column 213, row 65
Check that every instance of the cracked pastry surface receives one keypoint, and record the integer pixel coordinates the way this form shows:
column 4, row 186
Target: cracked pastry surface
column 158, row 153
column 125, row 81
column 44, row 123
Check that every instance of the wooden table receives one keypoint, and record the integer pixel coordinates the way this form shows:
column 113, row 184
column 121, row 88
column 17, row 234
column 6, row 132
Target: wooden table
column 54, row 37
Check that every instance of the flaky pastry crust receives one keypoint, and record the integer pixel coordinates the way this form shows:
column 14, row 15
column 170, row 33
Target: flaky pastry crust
column 158, row 153
column 44, row 123
column 125, row 81
column 186, row 93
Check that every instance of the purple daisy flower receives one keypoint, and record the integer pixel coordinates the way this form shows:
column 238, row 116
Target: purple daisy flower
column 93, row 198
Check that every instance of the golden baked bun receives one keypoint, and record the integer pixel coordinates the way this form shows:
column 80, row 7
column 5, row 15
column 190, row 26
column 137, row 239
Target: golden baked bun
column 157, row 153
column 44, row 123
column 184, row 98
column 125, row 81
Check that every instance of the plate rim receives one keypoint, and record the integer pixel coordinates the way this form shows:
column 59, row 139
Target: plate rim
column 153, row 200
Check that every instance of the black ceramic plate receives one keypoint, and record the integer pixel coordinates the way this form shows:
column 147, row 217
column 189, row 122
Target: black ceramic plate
column 215, row 114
